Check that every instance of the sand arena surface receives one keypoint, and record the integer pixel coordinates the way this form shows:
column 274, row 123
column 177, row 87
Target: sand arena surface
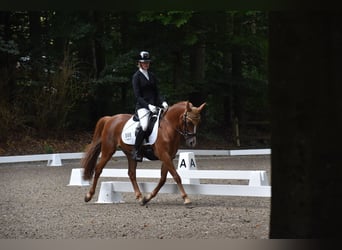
column 36, row 203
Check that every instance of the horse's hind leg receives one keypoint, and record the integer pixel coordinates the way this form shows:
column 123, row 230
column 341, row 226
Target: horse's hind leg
column 98, row 170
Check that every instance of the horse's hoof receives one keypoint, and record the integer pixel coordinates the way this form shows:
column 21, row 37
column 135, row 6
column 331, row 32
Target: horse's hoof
column 143, row 201
column 187, row 201
column 87, row 198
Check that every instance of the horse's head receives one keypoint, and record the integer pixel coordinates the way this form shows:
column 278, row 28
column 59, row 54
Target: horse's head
column 190, row 120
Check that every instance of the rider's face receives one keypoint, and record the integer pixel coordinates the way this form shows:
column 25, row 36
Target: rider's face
column 145, row 65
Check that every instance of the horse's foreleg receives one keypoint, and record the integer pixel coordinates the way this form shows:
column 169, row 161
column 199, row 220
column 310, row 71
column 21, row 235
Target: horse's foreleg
column 98, row 171
column 162, row 180
column 132, row 166
column 178, row 180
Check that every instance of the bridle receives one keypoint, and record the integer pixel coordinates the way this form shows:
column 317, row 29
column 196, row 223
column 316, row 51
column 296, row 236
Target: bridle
column 185, row 131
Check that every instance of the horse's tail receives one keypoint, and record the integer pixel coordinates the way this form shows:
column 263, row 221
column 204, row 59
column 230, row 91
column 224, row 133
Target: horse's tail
column 93, row 150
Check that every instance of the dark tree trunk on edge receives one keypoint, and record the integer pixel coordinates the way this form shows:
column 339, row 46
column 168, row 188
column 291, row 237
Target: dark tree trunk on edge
column 305, row 91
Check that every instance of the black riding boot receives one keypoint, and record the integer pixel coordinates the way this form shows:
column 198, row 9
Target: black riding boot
column 136, row 154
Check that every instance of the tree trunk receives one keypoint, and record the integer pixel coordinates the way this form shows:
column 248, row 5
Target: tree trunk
column 97, row 49
column 198, row 62
column 236, row 52
column 177, row 69
column 236, row 70
column 35, row 42
column 228, row 101
column 197, row 71
column 305, row 95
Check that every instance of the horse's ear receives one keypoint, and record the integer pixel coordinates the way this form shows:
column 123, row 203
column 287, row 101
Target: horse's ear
column 201, row 107
column 188, row 106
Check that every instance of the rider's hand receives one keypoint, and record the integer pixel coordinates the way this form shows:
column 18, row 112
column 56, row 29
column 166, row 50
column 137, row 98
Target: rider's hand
column 165, row 105
column 152, row 108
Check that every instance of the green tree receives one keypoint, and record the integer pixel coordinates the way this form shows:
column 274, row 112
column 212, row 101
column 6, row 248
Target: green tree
column 218, row 57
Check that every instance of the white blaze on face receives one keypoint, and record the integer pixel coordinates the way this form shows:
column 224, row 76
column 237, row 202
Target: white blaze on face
column 191, row 142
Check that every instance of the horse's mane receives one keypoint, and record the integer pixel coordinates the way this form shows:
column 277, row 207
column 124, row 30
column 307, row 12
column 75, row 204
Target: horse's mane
column 181, row 104
column 173, row 109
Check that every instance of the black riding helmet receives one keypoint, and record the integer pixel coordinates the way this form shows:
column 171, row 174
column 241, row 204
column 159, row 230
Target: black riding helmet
column 144, row 56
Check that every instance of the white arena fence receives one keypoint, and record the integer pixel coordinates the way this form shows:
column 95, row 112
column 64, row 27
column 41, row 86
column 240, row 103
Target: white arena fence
column 56, row 159
column 110, row 191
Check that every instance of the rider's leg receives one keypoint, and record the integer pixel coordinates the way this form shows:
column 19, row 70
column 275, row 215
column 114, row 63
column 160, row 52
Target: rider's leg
column 143, row 117
column 136, row 154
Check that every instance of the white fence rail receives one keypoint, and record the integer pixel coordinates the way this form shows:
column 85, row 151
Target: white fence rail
column 56, row 159
column 254, row 177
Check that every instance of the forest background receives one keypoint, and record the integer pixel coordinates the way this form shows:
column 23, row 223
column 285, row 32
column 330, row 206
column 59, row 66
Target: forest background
column 62, row 70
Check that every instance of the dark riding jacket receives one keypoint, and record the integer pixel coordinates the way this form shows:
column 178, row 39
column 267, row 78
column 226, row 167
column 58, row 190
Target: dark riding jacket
column 146, row 91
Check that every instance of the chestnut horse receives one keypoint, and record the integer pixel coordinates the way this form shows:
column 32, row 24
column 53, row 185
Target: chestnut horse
column 180, row 120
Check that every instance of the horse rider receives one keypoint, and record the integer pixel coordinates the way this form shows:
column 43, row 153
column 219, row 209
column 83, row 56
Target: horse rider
column 147, row 99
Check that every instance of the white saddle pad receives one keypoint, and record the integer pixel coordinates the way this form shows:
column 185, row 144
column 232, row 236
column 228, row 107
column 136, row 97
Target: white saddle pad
column 128, row 132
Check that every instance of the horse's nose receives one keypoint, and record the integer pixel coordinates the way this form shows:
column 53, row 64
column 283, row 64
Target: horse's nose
column 192, row 142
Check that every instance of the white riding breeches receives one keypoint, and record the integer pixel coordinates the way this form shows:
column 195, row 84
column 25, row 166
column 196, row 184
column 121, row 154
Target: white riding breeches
column 143, row 115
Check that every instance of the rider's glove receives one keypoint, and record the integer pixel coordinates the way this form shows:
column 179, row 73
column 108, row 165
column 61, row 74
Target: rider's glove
column 165, row 105
column 152, row 108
